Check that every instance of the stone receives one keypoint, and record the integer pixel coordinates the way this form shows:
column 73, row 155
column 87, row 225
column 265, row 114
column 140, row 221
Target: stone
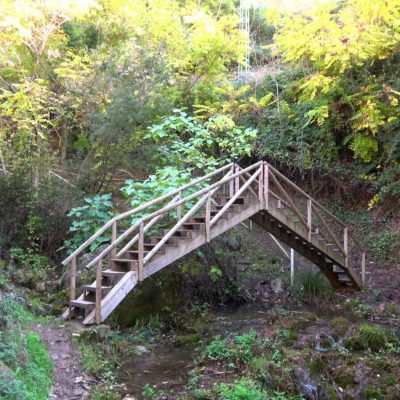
column 277, row 285
column 140, row 350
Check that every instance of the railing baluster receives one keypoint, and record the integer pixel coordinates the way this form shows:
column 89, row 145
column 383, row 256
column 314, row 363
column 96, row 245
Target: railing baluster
column 179, row 208
column 346, row 246
column 237, row 180
column 72, row 286
column 261, row 187
column 114, row 238
column 231, row 183
column 208, row 217
column 141, row 251
column 309, row 218
column 98, row 293
column 266, row 185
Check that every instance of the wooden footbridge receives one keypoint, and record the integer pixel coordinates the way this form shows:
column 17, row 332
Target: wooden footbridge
column 151, row 237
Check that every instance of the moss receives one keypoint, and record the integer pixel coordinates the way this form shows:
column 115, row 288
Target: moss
column 340, row 326
column 181, row 340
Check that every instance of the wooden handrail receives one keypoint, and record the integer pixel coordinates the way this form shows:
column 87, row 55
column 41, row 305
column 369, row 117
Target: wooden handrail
column 129, row 213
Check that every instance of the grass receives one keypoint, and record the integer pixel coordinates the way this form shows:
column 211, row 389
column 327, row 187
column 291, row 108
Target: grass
column 312, row 287
column 25, row 365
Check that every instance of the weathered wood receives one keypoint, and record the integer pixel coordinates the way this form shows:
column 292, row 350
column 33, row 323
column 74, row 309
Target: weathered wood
column 129, row 213
column 261, row 192
column 98, row 292
column 179, row 208
column 266, row 185
column 288, row 199
column 141, row 251
column 163, row 250
column 234, row 198
column 309, row 217
column 146, row 228
column 114, row 238
column 72, row 286
column 237, row 181
column 208, row 217
column 332, row 235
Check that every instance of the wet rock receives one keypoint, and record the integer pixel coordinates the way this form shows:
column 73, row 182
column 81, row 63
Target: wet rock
column 277, row 285
column 129, row 397
column 140, row 350
column 41, row 287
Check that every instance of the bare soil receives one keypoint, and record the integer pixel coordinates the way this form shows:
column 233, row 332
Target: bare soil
column 70, row 382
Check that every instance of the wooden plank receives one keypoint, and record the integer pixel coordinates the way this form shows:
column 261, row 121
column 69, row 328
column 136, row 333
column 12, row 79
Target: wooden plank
column 114, row 238
column 208, row 217
column 237, row 181
column 266, row 185
column 261, row 187
column 114, row 297
column 233, row 199
column 98, row 293
column 289, row 200
column 179, row 208
column 150, row 203
column 72, row 286
column 141, row 251
column 309, row 218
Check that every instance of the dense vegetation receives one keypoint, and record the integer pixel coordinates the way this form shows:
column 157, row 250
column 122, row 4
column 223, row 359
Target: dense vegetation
column 106, row 104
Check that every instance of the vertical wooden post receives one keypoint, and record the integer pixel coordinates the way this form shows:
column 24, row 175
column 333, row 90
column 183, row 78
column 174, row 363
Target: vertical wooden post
column 231, row 184
column 114, row 238
column 72, row 286
column 291, row 267
column 141, row 251
column 237, row 180
column 346, row 246
column 98, row 293
column 208, row 217
column 179, row 209
column 266, row 185
column 261, row 188
column 309, row 218
column 363, row 268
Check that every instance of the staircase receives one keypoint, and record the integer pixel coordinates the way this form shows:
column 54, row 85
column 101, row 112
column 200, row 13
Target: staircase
column 178, row 222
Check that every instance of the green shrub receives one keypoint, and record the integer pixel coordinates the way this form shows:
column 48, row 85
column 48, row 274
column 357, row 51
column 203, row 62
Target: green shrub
column 217, row 350
column 373, row 337
column 87, row 219
column 242, row 389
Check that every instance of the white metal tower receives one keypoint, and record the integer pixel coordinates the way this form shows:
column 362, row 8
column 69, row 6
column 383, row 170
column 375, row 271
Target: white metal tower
column 243, row 69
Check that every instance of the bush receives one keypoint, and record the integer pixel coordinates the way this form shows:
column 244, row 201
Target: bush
column 242, row 389
column 87, row 219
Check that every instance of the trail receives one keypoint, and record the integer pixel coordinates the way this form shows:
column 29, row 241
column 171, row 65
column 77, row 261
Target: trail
column 70, row 382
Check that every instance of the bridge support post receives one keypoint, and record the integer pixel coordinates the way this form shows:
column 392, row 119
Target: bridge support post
column 291, row 267
column 208, row 217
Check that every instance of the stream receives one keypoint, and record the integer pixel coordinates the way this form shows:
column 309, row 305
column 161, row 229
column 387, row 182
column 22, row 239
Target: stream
column 167, row 366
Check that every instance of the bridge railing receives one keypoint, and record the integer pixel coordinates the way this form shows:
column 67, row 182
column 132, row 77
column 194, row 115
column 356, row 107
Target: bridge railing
column 315, row 218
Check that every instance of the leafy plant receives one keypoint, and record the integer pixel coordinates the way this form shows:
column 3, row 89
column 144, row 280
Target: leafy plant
column 87, row 219
column 242, row 389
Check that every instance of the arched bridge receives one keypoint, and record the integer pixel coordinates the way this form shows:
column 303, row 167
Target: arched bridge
column 151, row 237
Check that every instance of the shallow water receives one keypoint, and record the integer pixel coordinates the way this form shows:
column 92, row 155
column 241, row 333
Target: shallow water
column 167, row 366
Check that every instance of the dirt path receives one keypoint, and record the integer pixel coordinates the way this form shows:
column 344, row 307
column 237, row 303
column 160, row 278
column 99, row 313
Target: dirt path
column 70, row 382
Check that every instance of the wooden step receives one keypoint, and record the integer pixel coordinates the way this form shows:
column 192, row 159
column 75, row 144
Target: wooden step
column 109, row 273
column 239, row 200
column 92, row 288
column 173, row 240
column 336, row 269
column 181, row 233
column 86, row 305
column 194, row 226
